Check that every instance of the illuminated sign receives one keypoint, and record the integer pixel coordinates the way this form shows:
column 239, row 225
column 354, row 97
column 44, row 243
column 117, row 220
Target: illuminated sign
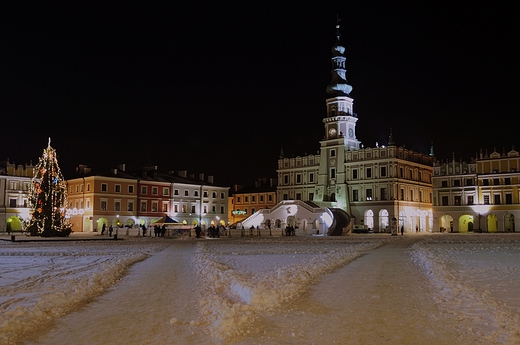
column 238, row 212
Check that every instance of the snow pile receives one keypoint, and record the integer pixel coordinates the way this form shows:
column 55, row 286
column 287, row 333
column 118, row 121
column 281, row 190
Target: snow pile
column 45, row 281
column 239, row 289
column 476, row 278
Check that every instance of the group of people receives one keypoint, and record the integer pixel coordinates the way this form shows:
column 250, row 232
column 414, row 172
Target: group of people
column 289, row 231
column 159, row 231
column 104, row 228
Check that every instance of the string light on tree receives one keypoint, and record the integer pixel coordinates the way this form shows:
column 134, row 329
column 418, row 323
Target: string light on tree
column 48, row 198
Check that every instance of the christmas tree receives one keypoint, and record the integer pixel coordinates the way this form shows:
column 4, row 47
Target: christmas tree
column 48, row 198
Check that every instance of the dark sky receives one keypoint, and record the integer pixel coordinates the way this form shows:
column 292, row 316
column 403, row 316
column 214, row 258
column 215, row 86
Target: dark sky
column 220, row 87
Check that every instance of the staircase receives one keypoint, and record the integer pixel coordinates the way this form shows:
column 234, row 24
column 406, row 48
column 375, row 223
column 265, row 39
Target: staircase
column 341, row 220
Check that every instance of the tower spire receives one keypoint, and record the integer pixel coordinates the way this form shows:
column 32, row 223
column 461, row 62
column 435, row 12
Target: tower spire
column 338, row 85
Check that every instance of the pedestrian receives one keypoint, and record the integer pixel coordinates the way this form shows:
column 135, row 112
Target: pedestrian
column 110, row 230
column 144, row 230
column 163, row 230
column 103, row 229
column 402, row 230
column 197, row 231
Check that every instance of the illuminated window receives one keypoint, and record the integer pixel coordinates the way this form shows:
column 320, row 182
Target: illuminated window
column 143, row 206
column 166, row 191
column 117, row 205
column 165, row 207
column 155, row 206
column 369, row 194
column 103, row 205
column 130, row 205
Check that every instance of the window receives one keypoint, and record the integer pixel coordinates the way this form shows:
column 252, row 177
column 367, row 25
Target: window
column 104, row 187
column 246, row 199
column 270, row 197
column 176, row 192
column 186, row 193
column 213, row 209
column 369, row 194
column 507, row 180
column 214, row 195
column 457, row 200
column 411, row 195
column 117, row 205
column 81, row 188
column 286, row 179
column 444, row 200
column 71, row 189
column 485, row 182
column 103, row 205
column 369, row 172
column 205, row 194
column 130, row 205
column 469, row 182
column 144, row 190
column 176, row 208
column 384, row 194
column 192, row 208
column 383, row 171
column 402, row 194
column 222, row 211
column 333, row 153
column 354, row 174
column 155, row 206
column 184, row 208
column 12, row 202
column 261, row 198
column 444, row 183
column 196, row 193
column 456, row 183
column 253, row 198
column 130, row 189
column 332, row 173
column 205, row 208
column 88, row 187
column 355, row 195
column 496, row 181
column 143, row 206
column 117, row 188
column 311, row 196
column 509, row 198
column 77, row 188
column 486, row 199
column 298, row 178
column 497, row 199
column 311, row 177
column 222, row 196
column 166, row 191
column 298, row 196
column 470, row 200
column 165, row 207
column 155, row 190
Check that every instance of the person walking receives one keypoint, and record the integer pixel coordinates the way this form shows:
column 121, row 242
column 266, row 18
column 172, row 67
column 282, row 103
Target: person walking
column 402, row 230
column 110, row 230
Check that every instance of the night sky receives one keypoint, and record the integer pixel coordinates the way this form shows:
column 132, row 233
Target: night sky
column 221, row 87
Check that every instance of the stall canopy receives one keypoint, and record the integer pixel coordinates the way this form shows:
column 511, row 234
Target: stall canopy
column 165, row 220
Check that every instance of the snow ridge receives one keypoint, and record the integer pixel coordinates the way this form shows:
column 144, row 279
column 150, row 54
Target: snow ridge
column 235, row 296
column 460, row 269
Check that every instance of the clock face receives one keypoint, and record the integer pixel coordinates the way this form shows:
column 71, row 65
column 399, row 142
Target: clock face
column 350, row 132
column 332, row 132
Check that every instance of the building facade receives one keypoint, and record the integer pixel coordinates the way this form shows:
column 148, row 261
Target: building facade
column 124, row 198
column 372, row 185
column 480, row 196
column 244, row 201
column 15, row 186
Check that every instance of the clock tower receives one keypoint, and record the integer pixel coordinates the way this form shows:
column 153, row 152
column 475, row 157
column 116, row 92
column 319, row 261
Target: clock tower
column 340, row 133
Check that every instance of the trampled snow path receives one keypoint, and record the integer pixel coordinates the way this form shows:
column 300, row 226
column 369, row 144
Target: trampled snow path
column 443, row 289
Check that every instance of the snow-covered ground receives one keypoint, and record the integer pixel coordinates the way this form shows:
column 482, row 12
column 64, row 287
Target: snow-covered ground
column 241, row 290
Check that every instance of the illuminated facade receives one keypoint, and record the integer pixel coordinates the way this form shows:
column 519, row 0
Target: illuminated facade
column 125, row 199
column 482, row 196
column 244, row 201
column 15, row 184
column 368, row 185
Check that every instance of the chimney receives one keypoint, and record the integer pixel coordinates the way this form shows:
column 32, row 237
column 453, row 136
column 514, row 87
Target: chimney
column 122, row 167
column 183, row 173
column 210, row 179
column 201, row 176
